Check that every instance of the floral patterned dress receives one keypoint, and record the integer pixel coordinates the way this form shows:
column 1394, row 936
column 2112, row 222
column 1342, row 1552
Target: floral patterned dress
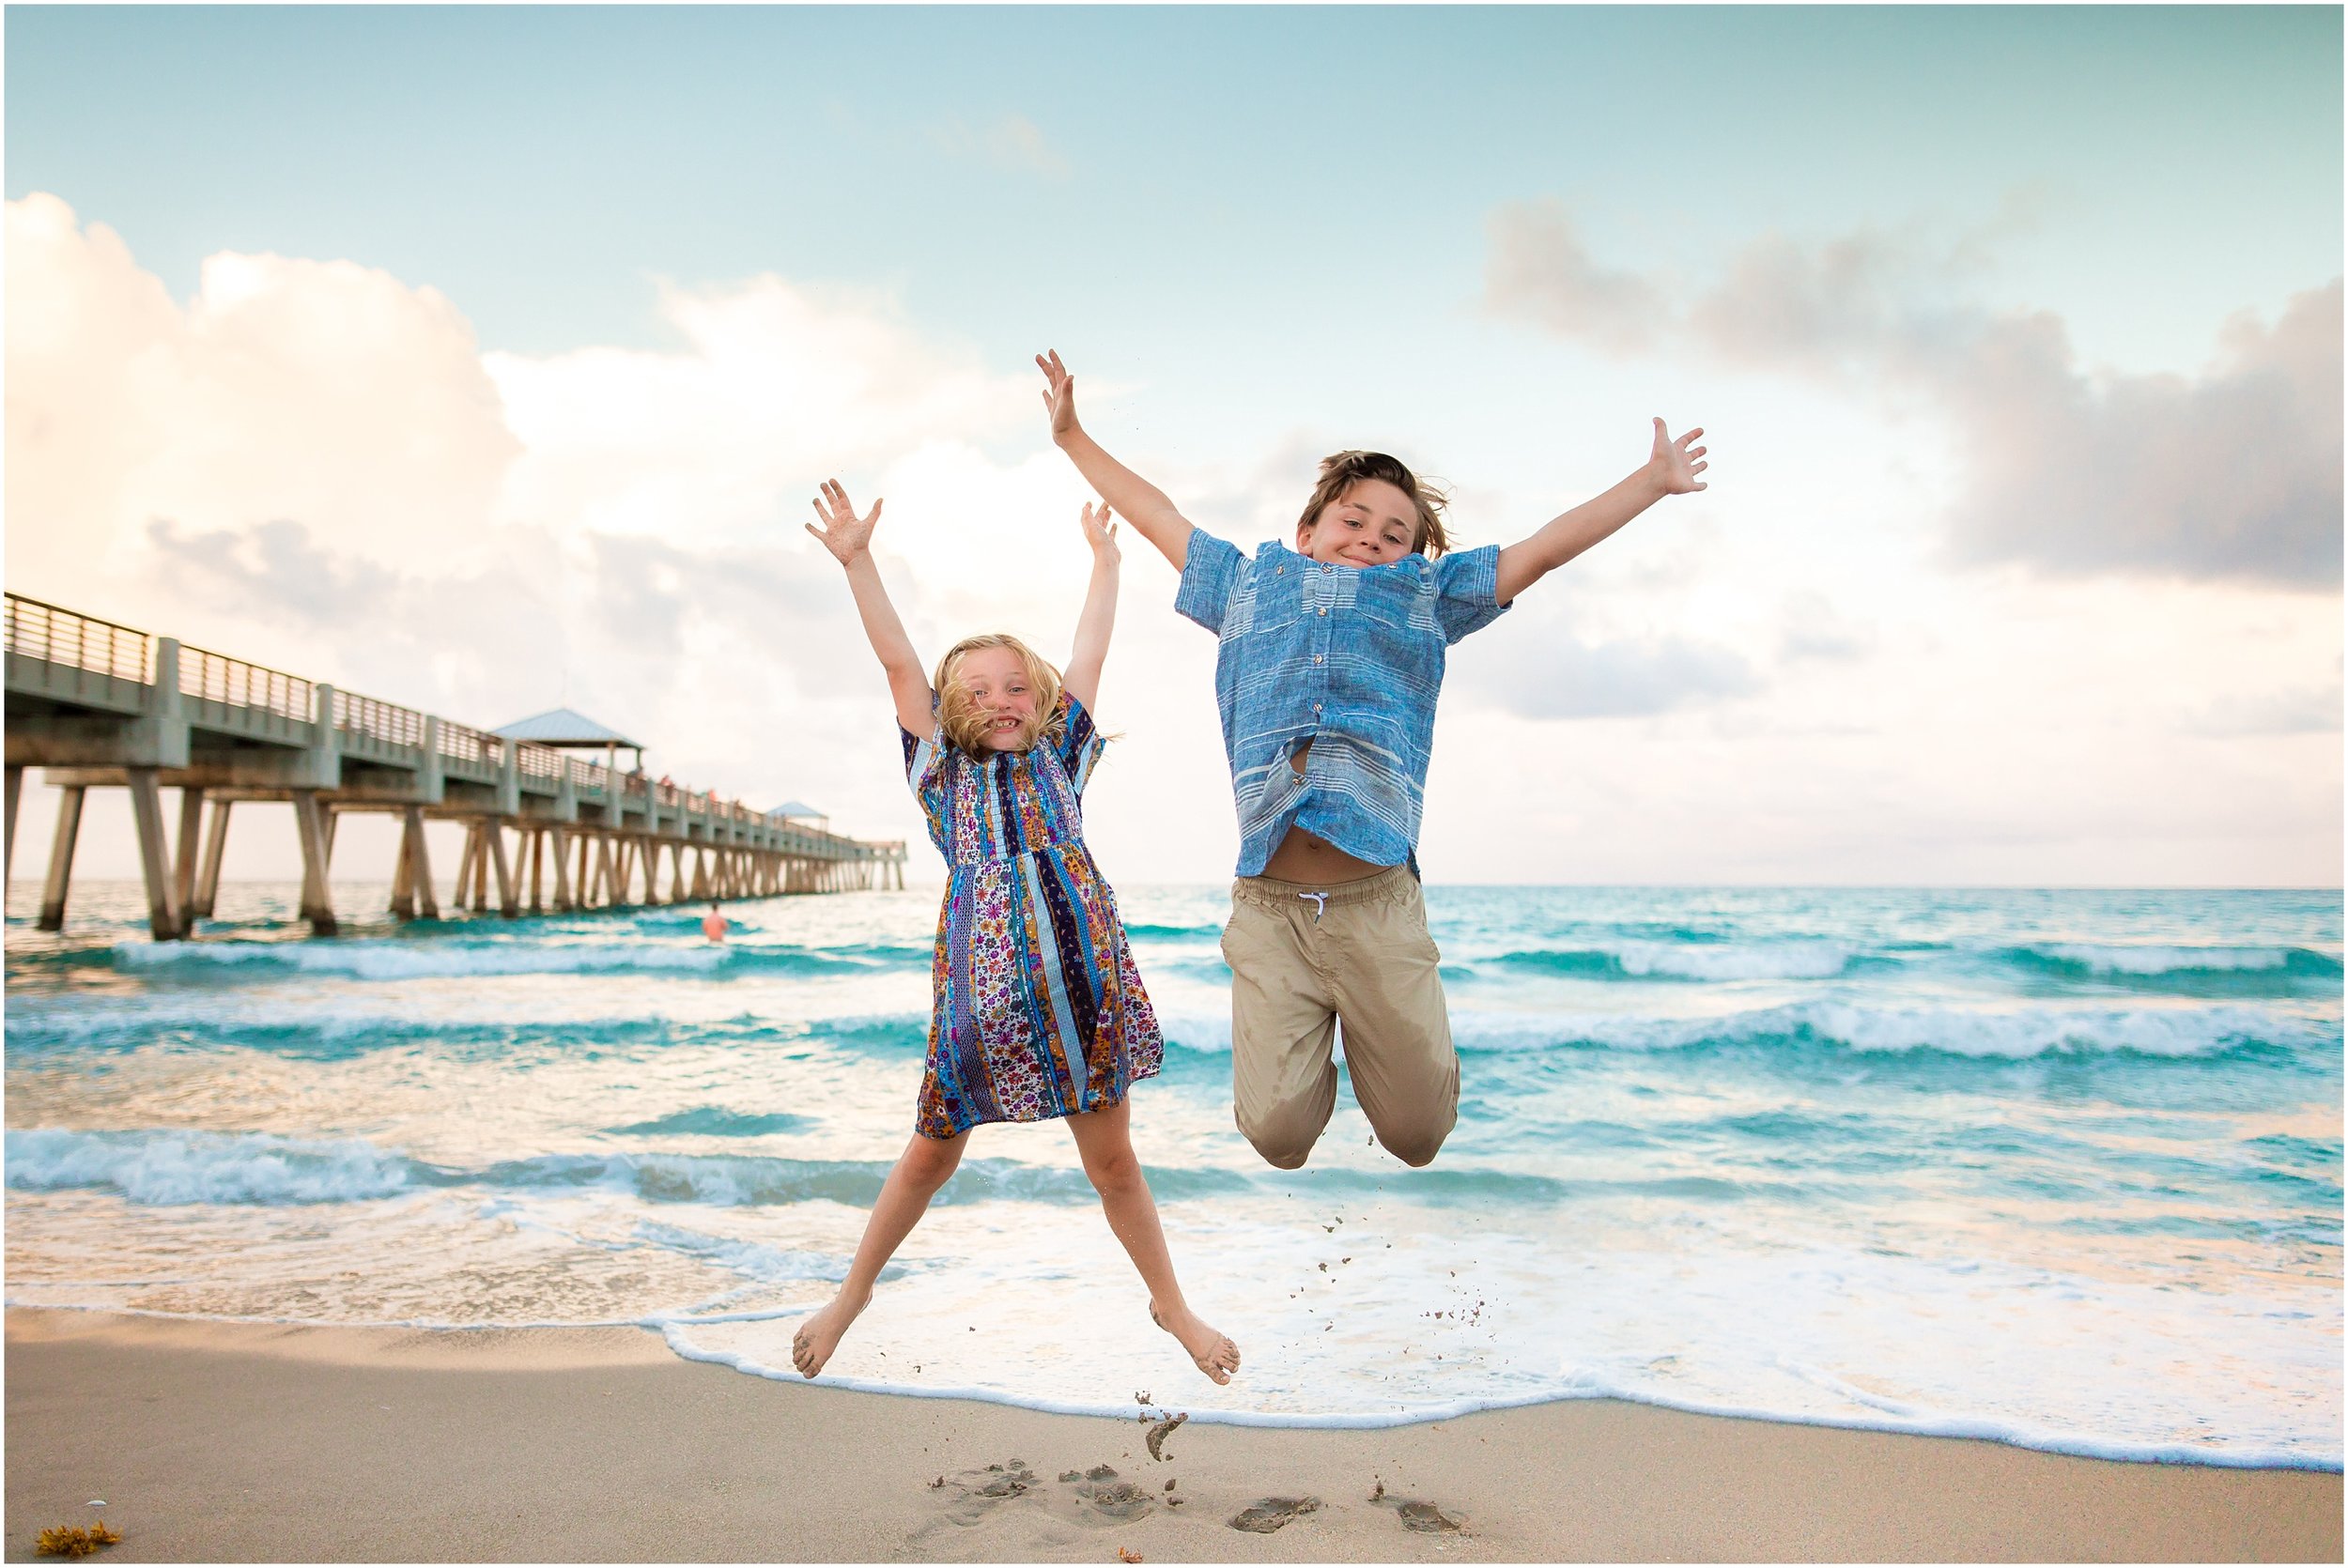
column 1040, row 1011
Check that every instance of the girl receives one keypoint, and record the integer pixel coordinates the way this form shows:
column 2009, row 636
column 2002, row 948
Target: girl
column 1332, row 655
column 1039, row 1010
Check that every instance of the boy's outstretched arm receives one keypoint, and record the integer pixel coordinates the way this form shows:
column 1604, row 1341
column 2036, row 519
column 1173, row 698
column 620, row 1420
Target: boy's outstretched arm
column 1134, row 497
column 849, row 538
column 1671, row 469
column 1099, row 617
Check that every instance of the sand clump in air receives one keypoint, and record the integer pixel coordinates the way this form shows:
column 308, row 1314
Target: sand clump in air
column 1164, row 1430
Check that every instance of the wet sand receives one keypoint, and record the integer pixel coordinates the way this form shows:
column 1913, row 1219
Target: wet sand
column 230, row 1442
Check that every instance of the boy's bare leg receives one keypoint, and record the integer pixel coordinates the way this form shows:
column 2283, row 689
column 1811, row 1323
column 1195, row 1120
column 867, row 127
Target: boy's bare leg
column 1105, row 1143
column 904, row 1197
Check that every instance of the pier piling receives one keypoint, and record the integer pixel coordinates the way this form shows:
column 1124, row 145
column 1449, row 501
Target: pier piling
column 61, row 859
column 317, row 904
column 16, row 788
column 147, row 816
column 183, row 858
column 208, row 875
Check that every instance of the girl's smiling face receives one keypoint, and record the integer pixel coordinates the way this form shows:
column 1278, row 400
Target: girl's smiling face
column 1000, row 691
column 1369, row 523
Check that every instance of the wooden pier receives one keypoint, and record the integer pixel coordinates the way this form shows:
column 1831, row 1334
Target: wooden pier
column 97, row 705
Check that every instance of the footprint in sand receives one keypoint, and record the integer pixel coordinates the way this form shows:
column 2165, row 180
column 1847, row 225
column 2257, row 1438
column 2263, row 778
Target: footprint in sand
column 1101, row 1495
column 972, row 1494
column 1269, row 1514
column 1426, row 1518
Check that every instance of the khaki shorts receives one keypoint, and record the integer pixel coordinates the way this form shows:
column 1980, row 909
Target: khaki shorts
column 1304, row 959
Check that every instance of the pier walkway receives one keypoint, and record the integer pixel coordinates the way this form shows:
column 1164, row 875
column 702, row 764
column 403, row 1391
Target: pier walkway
column 94, row 704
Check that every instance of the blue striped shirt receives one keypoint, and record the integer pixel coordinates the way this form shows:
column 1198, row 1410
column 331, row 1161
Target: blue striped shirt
column 1352, row 656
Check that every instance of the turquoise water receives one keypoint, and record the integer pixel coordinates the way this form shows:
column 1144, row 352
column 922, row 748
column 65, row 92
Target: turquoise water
column 2062, row 1168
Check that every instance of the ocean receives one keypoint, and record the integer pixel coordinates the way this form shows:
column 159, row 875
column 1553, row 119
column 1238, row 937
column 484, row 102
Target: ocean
column 2059, row 1168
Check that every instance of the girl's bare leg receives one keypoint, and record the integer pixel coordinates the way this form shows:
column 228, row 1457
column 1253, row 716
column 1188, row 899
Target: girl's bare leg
column 904, row 1197
column 1106, row 1145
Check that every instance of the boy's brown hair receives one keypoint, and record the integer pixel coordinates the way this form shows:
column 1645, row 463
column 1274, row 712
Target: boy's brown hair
column 1340, row 469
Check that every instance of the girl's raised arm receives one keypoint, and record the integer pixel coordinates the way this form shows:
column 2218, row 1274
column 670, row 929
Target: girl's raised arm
column 848, row 537
column 1138, row 501
column 1081, row 680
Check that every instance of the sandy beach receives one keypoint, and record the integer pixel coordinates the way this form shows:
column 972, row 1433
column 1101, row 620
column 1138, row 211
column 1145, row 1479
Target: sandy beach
column 243, row 1442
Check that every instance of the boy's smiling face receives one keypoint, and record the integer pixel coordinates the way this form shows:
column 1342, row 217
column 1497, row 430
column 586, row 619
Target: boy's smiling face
column 1369, row 524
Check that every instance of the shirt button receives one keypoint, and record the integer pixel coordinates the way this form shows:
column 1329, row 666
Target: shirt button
column 1316, row 707
column 1316, row 658
column 1324, row 610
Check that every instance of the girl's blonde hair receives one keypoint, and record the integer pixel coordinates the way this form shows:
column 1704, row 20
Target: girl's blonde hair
column 1340, row 469
column 965, row 725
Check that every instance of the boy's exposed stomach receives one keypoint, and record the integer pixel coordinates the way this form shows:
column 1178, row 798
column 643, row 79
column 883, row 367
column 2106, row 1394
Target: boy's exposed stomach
column 1314, row 861
column 1308, row 858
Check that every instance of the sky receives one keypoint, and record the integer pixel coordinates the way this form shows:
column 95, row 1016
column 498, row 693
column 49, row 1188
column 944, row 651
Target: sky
column 486, row 359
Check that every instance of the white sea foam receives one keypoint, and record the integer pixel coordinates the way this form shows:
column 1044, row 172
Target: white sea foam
column 2111, row 959
column 412, row 960
column 1985, row 1030
column 1733, row 960
column 196, row 1167
column 752, row 1260
column 169, row 1166
column 2037, row 1031
column 1854, row 1340
column 1573, row 1382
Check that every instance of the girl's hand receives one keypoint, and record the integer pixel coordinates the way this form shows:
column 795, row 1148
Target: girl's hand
column 1675, row 462
column 1101, row 534
column 1060, row 394
column 845, row 534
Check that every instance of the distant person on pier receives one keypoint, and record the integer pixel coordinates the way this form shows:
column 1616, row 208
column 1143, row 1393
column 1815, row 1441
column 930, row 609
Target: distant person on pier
column 714, row 924
column 1039, row 1011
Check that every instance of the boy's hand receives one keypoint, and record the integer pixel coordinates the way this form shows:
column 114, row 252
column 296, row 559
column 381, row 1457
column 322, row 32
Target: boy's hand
column 1676, row 463
column 845, row 534
column 1060, row 394
column 1101, row 534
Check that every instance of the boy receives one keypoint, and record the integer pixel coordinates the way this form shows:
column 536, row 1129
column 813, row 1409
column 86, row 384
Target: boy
column 1331, row 659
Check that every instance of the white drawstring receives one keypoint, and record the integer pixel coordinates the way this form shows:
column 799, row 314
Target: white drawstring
column 1321, row 904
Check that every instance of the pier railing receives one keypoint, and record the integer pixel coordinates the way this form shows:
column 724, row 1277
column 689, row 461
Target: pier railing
column 376, row 731
column 249, row 699
column 539, row 763
column 473, row 755
column 86, row 662
column 72, row 657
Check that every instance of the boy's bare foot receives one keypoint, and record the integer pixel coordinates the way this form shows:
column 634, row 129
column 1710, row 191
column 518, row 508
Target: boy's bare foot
column 1218, row 1357
column 819, row 1336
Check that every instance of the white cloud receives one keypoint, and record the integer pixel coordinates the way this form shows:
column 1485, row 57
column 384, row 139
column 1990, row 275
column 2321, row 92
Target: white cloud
column 1534, row 666
column 1537, row 267
column 1012, row 143
column 1816, row 628
column 2231, row 474
column 321, row 392
column 778, row 387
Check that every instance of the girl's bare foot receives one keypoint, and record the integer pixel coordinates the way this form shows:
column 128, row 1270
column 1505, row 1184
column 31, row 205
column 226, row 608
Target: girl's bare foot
column 819, row 1336
column 1218, row 1357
